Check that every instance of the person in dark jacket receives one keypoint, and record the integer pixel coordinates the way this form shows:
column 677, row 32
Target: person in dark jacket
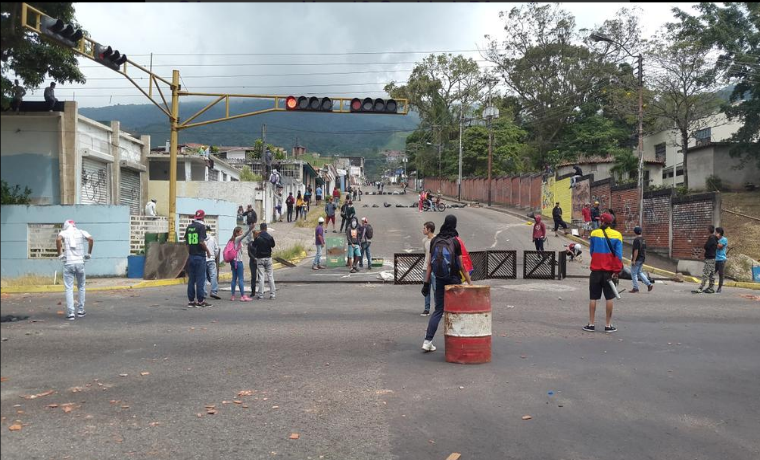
column 263, row 245
column 595, row 213
column 557, row 216
column 708, row 271
column 539, row 233
column 578, row 173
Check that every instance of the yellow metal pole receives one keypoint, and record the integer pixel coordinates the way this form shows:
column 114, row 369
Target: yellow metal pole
column 174, row 120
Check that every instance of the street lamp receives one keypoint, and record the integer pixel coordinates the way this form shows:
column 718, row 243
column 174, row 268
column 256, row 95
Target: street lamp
column 640, row 149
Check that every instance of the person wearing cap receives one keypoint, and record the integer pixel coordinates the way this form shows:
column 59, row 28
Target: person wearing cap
column 263, row 245
column 70, row 245
column 150, row 208
column 365, row 238
column 195, row 238
column 319, row 242
column 606, row 249
column 595, row 213
column 637, row 261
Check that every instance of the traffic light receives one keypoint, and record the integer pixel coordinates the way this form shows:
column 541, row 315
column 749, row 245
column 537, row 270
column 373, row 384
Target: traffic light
column 369, row 105
column 58, row 30
column 309, row 104
column 109, row 57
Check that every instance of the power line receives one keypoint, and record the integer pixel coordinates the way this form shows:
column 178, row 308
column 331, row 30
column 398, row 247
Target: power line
column 276, row 64
column 353, row 53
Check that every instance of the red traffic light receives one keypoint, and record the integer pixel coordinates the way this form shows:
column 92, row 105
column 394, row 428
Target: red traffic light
column 369, row 105
column 309, row 104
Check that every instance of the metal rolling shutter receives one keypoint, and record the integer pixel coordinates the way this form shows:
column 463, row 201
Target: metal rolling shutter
column 129, row 190
column 95, row 189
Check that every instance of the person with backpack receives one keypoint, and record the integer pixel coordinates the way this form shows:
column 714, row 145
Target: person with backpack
column 353, row 239
column 606, row 249
column 539, row 233
column 366, row 240
column 445, row 265
column 289, row 202
column 233, row 254
column 637, row 261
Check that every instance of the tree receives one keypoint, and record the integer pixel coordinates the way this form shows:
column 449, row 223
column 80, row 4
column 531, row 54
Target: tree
column 684, row 87
column 30, row 57
column 14, row 195
column 625, row 163
column 509, row 149
column 246, row 175
column 734, row 30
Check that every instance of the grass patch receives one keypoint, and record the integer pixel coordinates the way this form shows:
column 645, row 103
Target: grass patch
column 290, row 253
column 312, row 217
column 31, row 280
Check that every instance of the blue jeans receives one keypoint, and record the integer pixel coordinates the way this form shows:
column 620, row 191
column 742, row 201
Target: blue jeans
column 365, row 250
column 211, row 276
column 636, row 271
column 69, row 273
column 427, row 297
column 435, row 318
column 238, row 276
column 196, row 275
column 318, row 256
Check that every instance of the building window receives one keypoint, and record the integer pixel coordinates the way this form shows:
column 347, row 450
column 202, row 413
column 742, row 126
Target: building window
column 679, row 171
column 703, row 136
column 290, row 170
column 592, row 168
column 41, row 240
column 660, row 152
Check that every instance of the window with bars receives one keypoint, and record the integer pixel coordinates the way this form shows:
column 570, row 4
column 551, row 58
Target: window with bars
column 290, row 170
column 660, row 152
column 41, row 240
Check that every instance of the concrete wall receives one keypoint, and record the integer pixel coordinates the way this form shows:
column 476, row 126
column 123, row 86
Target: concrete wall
column 716, row 160
column 519, row 191
column 226, row 212
column 32, row 140
column 108, row 225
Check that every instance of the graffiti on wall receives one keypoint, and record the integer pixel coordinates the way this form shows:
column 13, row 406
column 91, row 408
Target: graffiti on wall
column 629, row 216
column 94, row 185
column 581, row 195
column 602, row 199
column 547, row 196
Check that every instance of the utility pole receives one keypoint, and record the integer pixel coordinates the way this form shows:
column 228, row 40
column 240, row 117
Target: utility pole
column 440, row 148
column 461, row 129
column 490, row 113
column 641, row 141
column 174, row 123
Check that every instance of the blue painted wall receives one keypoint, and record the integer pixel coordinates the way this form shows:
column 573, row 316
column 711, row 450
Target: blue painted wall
column 226, row 210
column 108, row 225
column 38, row 172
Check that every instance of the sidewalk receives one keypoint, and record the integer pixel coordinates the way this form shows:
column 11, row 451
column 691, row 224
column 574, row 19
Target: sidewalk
column 662, row 265
column 285, row 234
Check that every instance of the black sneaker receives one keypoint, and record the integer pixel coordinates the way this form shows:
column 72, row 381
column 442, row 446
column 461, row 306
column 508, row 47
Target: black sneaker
column 610, row 329
column 81, row 314
column 192, row 304
column 719, row 291
column 589, row 328
column 215, row 296
column 203, row 304
column 71, row 317
column 697, row 291
column 425, row 313
column 709, row 291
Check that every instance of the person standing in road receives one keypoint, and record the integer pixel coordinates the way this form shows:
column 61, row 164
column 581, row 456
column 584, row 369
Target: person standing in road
column 150, row 208
column 319, row 242
column 18, row 92
column 366, row 233
column 720, row 257
column 330, row 212
column 539, row 233
column 70, row 245
column 49, row 95
column 195, row 238
column 343, row 219
column 606, row 249
column 558, row 222
column 264, row 244
column 428, row 229
column 289, row 202
column 595, row 213
column 637, row 261
column 212, row 264
column 250, row 216
column 586, row 212
column 318, row 196
column 708, row 271
column 236, row 264
column 336, row 195
column 445, row 264
column 353, row 239
column 307, row 200
column 252, row 264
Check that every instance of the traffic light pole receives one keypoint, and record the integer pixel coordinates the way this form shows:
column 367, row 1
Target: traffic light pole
column 173, row 139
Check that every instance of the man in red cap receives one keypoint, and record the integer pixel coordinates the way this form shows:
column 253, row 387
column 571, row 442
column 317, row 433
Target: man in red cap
column 606, row 249
column 195, row 237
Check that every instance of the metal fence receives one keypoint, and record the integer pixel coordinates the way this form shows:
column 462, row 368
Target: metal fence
column 539, row 265
column 410, row 268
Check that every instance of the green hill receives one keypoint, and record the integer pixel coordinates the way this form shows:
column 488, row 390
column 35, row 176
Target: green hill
column 327, row 134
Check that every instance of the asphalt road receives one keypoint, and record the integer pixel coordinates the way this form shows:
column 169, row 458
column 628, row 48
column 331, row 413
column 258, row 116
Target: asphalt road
column 341, row 366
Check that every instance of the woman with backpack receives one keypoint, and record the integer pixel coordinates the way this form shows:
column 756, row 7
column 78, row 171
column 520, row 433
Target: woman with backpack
column 445, row 264
column 233, row 254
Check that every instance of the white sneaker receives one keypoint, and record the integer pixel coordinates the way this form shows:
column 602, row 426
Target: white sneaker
column 427, row 345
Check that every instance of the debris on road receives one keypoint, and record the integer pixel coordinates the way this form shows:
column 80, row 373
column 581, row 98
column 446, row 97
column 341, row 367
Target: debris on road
column 454, row 456
column 39, row 395
column 526, row 417
column 294, row 436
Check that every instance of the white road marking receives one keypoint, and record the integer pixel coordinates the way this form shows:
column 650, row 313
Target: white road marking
column 496, row 239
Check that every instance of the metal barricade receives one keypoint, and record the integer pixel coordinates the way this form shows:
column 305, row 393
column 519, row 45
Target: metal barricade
column 539, row 265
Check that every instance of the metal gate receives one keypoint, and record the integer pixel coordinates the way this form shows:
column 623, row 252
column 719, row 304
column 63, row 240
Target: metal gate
column 129, row 190
column 95, row 184
column 539, row 265
column 410, row 268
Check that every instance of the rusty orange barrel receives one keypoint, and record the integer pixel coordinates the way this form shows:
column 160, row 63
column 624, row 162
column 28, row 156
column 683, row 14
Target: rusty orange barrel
column 467, row 324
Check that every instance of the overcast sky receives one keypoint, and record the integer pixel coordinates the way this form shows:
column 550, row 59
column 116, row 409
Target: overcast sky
column 219, row 47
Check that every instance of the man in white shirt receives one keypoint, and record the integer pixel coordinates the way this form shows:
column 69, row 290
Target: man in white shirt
column 150, row 208
column 70, row 245
column 212, row 263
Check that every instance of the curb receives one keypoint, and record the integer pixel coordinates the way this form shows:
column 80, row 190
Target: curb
column 141, row 285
